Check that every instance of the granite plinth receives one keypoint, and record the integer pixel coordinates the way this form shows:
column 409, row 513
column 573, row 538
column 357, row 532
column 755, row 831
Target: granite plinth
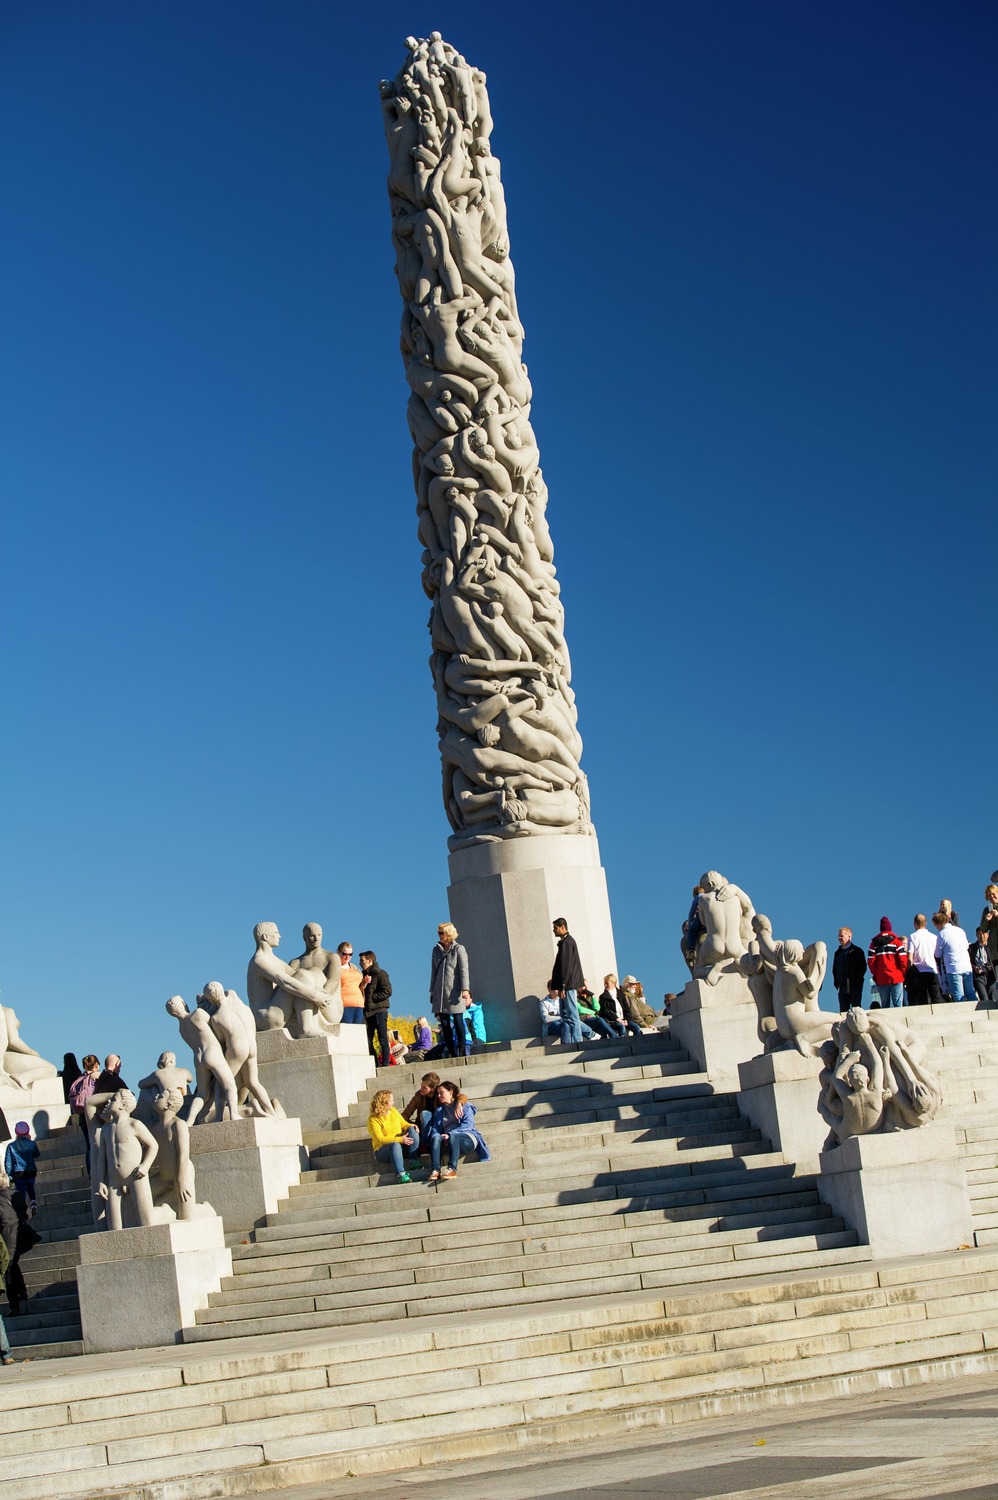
column 779, row 1093
column 718, row 1024
column 41, row 1104
column 904, row 1193
column 139, row 1288
column 503, row 899
column 316, row 1078
column 244, row 1167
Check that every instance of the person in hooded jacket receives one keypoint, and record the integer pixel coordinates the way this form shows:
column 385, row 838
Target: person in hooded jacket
column 887, row 961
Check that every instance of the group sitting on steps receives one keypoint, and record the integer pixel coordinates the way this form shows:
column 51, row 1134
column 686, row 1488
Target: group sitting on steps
column 437, row 1117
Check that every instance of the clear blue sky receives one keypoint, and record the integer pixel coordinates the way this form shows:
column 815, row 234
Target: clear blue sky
column 755, row 249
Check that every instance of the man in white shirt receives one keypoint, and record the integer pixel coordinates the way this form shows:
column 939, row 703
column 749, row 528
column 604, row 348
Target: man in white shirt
column 923, row 976
column 953, row 949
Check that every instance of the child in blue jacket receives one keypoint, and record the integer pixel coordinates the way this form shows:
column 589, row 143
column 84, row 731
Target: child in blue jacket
column 21, row 1165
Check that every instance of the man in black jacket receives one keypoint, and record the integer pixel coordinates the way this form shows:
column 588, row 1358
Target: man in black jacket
column 848, row 971
column 567, row 978
column 377, row 999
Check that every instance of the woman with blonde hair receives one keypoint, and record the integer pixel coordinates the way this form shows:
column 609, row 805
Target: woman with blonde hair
column 390, row 1134
column 450, row 990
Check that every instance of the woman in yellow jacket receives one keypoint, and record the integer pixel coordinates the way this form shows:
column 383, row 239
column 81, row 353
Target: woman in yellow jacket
column 390, row 1134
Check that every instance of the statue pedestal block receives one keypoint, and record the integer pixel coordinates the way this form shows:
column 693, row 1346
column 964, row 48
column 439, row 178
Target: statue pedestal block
column 503, row 898
column 779, row 1093
column 41, row 1104
column 904, row 1193
column 718, row 1024
column 243, row 1167
column 316, row 1078
column 139, row 1288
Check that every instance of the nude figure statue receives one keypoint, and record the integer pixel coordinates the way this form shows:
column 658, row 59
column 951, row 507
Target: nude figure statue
column 280, row 996
column 321, row 968
column 233, row 1024
column 726, row 913
column 125, row 1152
column 173, row 1174
column 20, row 1065
column 165, row 1075
column 216, row 1087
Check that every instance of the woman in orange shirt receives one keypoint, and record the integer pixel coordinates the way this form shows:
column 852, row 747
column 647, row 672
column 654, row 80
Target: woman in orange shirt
column 350, row 990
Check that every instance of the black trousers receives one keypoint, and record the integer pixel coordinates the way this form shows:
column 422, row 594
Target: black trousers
column 379, row 1023
column 847, row 1001
column 923, row 987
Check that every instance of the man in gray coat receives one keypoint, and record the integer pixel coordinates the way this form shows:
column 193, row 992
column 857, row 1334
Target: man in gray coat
column 450, row 990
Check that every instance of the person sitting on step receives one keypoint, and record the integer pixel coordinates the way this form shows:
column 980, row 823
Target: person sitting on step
column 589, row 1015
column 550, row 1006
column 419, row 1110
column 453, row 1126
column 390, row 1135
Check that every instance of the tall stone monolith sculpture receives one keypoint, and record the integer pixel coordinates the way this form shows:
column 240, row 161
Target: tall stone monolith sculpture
column 523, row 849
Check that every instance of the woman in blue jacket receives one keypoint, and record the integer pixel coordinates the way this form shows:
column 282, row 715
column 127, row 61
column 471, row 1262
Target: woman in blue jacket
column 453, row 1126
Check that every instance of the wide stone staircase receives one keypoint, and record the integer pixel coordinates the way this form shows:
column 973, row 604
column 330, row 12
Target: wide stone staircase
column 616, row 1168
column 634, row 1256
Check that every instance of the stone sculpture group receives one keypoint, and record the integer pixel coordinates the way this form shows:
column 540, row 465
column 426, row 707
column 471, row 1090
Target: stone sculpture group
column 874, row 1079
column 509, row 744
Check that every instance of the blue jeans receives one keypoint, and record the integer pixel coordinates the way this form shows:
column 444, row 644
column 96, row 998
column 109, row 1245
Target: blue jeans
column 601, row 1027
column 353, row 1015
column 393, row 1152
column 890, row 994
column 4, row 1340
column 961, row 987
column 456, row 1142
column 571, row 1026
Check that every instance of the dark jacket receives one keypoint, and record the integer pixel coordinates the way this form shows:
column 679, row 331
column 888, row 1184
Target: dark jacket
column 377, row 992
column 567, row 972
column 849, row 972
column 982, row 963
column 448, row 977
column 606, row 1007
column 109, row 1083
column 8, row 1221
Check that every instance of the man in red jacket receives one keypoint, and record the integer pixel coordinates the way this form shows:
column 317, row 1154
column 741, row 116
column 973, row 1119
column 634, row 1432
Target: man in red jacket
column 887, row 960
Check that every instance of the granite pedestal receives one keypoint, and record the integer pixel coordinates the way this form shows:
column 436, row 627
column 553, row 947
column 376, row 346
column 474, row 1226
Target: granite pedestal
column 244, row 1167
column 42, row 1104
column 503, row 899
column 779, row 1093
column 140, row 1287
column 316, row 1078
column 904, row 1193
column 718, row 1024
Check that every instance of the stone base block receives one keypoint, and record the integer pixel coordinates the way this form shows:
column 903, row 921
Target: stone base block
column 904, row 1193
column 503, row 898
column 139, row 1288
column 41, row 1104
column 316, row 1078
column 243, row 1167
column 779, row 1094
column 718, row 1024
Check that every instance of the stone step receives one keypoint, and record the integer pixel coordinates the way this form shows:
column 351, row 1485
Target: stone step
column 410, row 1268
column 399, row 1204
column 507, row 1290
column 162, row 1423
column 259, row 1264
column 416, row 1203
